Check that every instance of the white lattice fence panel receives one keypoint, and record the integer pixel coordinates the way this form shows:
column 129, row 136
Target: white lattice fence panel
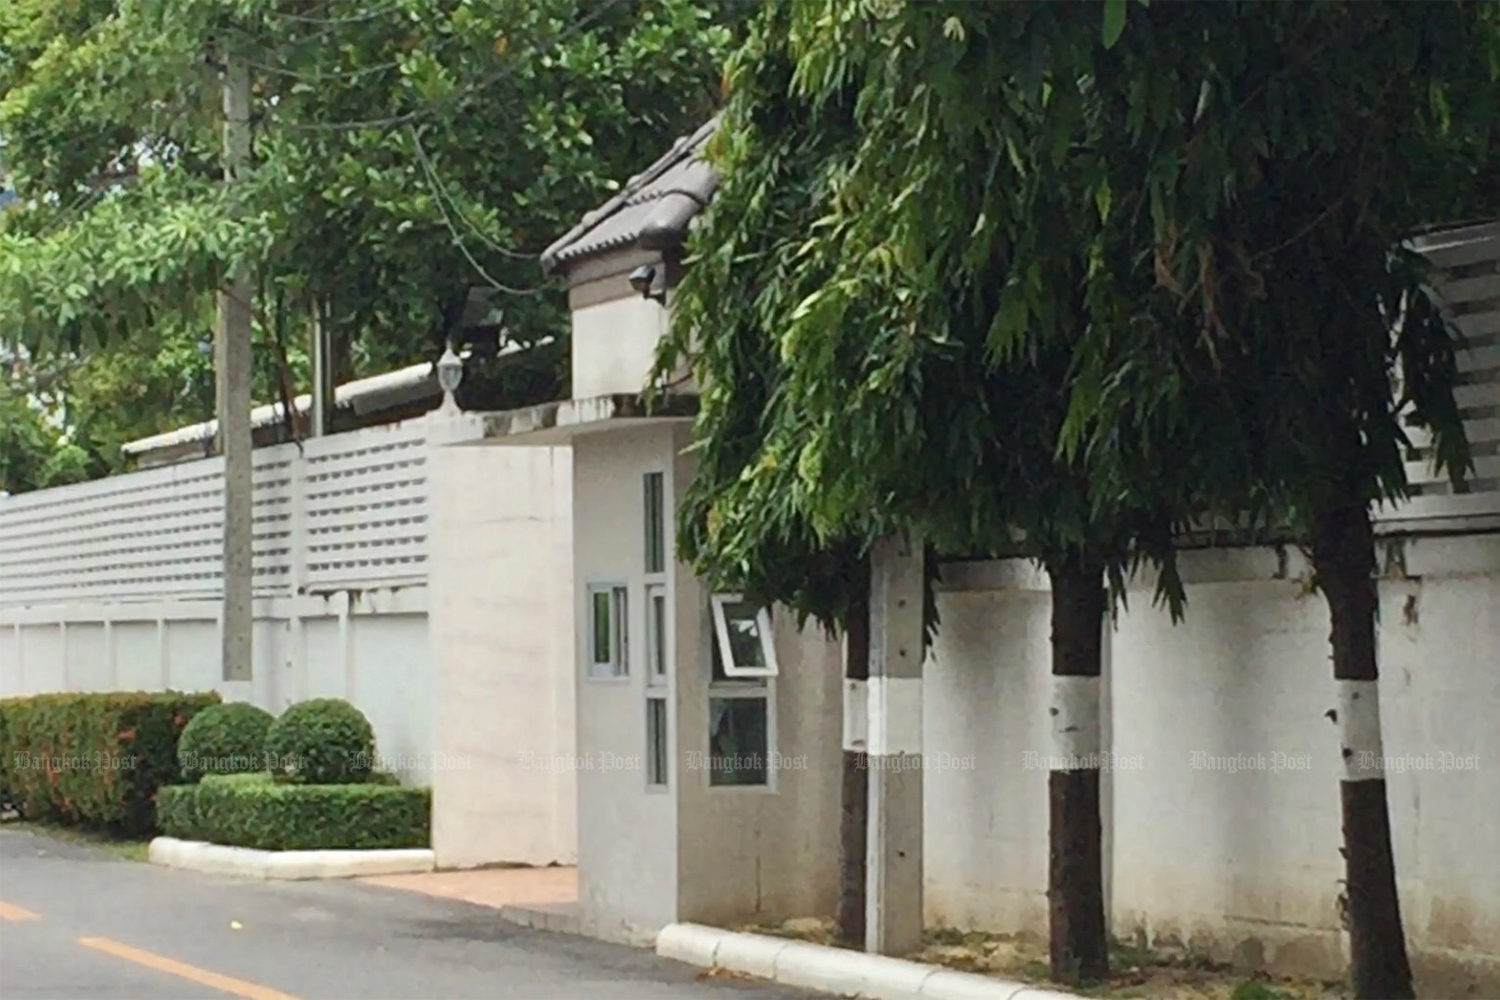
column 142, row 536
column 366, row 497
column 1469, row 286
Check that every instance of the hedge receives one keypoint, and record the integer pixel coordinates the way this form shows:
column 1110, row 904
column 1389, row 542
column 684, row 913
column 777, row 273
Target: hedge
column 251, row 810
column 325, row 741
column 94, row 759
column 224, row 739
column 6, row 799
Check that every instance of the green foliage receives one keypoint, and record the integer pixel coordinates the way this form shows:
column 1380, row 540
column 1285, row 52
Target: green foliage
column 224, row 739
column 250, row 811
column 94, row 760
column 325, row 741
column 1254, row 989
column 380, row 189
column 741, row 523
column 7, row 761
column 34, row 454
column 983, row 272
column 870, row 370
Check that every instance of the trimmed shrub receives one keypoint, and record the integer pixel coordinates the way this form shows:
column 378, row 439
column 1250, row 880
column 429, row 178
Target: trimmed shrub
column 326, row 741
column 177, row 811
column 95, row 759
column 7, row 800
column 224, row 739
column 247, row 810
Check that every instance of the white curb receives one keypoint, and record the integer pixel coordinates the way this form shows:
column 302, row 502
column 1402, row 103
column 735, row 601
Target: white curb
column 245, row 862
column 835, row 970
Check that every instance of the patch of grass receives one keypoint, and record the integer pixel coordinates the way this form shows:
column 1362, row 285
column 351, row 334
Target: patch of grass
column 1254, row 989
column 1128, row 955
column 1037, row 972
column 128, row 850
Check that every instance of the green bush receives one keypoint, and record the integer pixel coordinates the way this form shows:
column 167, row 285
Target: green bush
column 326, row 741
column 248, row 810
column 94, row 759
column 6, row 793
column 224, row 739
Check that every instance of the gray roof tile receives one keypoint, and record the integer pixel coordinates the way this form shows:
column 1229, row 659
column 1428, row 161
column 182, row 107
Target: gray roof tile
column 652, row 210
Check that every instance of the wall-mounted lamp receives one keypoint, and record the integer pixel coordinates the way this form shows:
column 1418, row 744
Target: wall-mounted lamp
column 643, row 280
column 450, row 373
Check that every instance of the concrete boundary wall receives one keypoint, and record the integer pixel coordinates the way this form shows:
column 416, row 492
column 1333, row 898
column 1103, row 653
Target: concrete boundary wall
column 370, row 647
column 1221, row 802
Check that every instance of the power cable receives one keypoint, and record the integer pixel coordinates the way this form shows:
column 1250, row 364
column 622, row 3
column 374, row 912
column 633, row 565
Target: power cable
column 453, row 231
column 441, row 191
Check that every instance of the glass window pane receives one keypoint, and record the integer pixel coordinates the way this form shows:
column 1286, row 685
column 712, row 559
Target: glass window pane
column 744, row 634
column 622, row 637
column 656, row 741
column 655, row 509
column 737, row 741
column 717, row 674
column 659, row 634
column 603, row 627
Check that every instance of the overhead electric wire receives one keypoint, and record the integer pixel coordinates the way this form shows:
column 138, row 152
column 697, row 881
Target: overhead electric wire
column 453, row 231
column 441, row 191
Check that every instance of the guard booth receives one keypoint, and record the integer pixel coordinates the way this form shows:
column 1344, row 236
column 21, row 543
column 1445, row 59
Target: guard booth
column 708, row 731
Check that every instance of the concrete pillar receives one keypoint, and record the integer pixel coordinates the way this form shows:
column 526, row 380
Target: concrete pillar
column 893, row 914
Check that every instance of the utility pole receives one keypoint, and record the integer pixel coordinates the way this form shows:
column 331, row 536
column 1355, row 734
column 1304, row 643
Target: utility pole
column 323, row 381
column 893, row 852
column 232, row 368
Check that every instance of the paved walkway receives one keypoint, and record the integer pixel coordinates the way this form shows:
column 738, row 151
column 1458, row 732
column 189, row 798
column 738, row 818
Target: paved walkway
column 76, row 922
column 494, row 887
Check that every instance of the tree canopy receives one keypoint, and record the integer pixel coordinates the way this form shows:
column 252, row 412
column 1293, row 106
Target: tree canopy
column 403, row 154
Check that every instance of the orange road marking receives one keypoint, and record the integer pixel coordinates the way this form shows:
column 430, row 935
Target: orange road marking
column 226, row 984
column 9, row 911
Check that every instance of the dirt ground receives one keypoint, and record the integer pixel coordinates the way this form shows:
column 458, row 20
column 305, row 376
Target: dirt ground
column 1134, row 972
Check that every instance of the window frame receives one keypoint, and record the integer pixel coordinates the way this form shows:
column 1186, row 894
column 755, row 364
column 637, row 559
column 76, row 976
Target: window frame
column 718, row 605
column 658, row 636
column 617, row 667
column 762, row 688
column 654, row 521
column 658, row 781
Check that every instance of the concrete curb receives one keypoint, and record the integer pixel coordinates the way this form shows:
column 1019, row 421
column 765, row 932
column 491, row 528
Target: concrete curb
column 835, row 970
column 559, row 917
column 245, row 862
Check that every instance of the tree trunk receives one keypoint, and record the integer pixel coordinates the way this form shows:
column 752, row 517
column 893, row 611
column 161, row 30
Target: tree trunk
column 1343, row 552
column 1075, row 874
column 849, row 917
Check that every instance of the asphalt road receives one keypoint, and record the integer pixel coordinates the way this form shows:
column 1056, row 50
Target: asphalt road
column 77, row 923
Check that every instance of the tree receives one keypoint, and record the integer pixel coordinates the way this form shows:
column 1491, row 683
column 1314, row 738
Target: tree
column 777, row 162
column 1287, row 155
column 34, row 450
column 403, row 154
column 1254, row 175
column 1221, row 152
column 853, row 391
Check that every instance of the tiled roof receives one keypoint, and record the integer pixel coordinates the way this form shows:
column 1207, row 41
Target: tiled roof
column 652, row 211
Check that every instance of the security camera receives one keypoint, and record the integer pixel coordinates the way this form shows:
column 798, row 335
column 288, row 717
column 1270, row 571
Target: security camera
column 642, row 279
